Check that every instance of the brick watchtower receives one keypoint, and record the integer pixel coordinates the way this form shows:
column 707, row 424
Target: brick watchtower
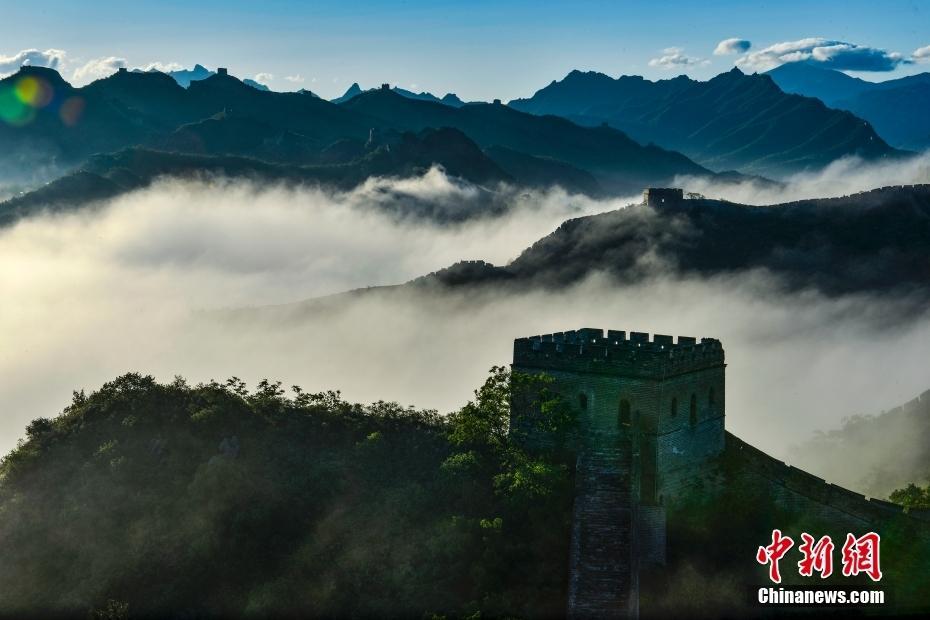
column 651, row 415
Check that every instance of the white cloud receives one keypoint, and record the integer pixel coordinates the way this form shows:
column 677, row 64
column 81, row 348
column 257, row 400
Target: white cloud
column 832, row 54
column 50, row 58
column 922, row 54
column 674, row 58
column 294, row 79
column 732, row 46
column 97, row 68
column 263, row 78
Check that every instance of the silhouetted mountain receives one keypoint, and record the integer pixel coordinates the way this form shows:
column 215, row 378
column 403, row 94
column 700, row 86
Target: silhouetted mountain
column 453, row 100
column 542, row 172
column 184, row 77
column 807, row 79
column 222, row 147
column 870, row 242
column 254, row 84
column 896, row 108
column 352, row 91
column 63, row 124
column 128, row 109
column 733, row 121
column 221, row 115
column 450, row 99
column 618, row 163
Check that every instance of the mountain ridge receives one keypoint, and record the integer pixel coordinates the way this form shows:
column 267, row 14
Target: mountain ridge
column 732, row 121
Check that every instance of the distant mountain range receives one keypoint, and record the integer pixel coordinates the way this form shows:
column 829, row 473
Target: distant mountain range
column 898, row 109
column 184, row 77
column 220, row 116
column 733, row 121
column 450, row 99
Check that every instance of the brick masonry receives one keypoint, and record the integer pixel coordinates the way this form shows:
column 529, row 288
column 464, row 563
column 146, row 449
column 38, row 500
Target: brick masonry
column 651, row 424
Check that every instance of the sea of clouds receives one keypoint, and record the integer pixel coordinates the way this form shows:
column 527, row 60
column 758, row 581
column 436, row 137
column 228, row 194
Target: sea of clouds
column 144, row 283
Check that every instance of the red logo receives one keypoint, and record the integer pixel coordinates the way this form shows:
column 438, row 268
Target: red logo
column 860, row 555
column 773, row 553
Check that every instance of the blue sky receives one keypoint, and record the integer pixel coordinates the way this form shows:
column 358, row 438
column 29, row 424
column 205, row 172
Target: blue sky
column 477, row 49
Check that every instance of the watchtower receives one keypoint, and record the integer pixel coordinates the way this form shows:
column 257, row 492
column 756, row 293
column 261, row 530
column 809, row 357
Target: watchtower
column 650, row 417
column 222, row 71
column 662, row 196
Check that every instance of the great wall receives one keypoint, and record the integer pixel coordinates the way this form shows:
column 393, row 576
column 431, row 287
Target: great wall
column 650, row 429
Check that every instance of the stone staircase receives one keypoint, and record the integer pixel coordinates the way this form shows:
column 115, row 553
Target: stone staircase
column 603, row 576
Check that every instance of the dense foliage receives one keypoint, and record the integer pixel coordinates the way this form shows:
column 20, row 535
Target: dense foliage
column 213, row 500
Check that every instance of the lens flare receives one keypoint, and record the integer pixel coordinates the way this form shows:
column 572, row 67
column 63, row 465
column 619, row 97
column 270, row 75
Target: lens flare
column 71, row 110
column 12, row 110
column 33, row 91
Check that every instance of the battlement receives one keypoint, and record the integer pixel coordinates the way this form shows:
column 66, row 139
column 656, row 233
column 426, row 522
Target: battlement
column 618, row 353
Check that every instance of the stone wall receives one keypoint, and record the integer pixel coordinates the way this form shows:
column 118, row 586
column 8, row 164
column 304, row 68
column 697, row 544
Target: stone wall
column 805, row 493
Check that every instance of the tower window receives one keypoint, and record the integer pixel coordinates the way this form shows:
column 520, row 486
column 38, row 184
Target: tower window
column 624, row 415
column 583, row 401
column 693, row 410
column 674, row 407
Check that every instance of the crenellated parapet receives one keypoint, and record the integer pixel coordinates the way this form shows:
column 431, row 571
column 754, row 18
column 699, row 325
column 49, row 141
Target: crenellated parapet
column 618, row 353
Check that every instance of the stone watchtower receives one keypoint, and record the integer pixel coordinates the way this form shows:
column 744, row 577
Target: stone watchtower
column 651, row 416
column 663, row 196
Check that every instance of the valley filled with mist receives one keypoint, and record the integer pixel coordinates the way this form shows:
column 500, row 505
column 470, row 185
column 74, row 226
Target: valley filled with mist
column 210, row 280
column 257, row 344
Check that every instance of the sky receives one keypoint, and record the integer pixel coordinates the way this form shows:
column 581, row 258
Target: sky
column 480, row 49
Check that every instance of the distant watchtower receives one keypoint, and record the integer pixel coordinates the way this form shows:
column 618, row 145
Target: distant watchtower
column 662, row 196
column 222, row 71
column 651, row 415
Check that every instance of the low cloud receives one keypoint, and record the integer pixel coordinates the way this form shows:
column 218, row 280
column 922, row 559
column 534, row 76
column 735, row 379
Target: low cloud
column 263, row 78
column 97, row 68
column 732, row 46
column 675, row 58
column 145, row 279
column 294, row 79
column 842, row 177
column 922, row 54
column 51, row 58
column 827, row 53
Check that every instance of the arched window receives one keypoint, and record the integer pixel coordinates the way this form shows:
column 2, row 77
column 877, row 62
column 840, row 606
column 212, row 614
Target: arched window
column 710, row 397
column 692, row 415
column 583, row 401
column 624, row 414
column 674, row 407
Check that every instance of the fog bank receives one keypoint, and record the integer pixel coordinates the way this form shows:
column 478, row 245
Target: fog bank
column 136, row 285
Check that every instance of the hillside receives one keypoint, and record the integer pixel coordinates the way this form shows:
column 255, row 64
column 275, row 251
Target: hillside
column 617, row 162
column 144, row 500
column 870, row 242
column 897, row 109
column 733, row 121
column 891, row 446
column 212, row 500
column 390, row 155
